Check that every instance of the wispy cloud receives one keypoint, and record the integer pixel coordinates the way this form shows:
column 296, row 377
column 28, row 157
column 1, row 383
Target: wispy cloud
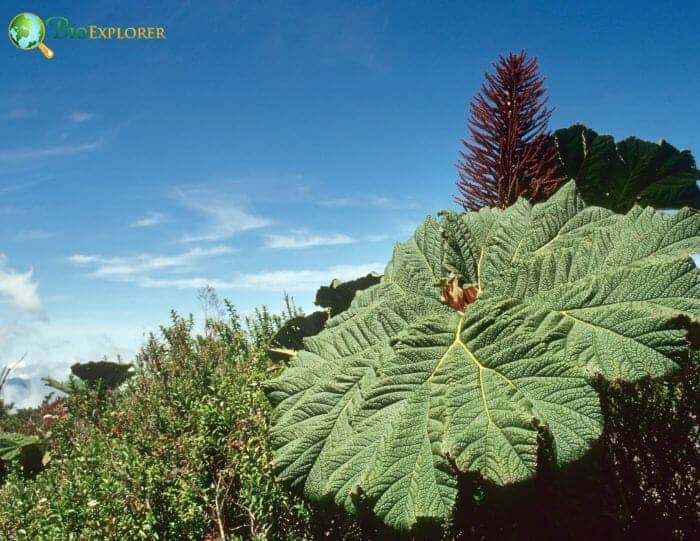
column 34, row 234
column 181, row 283
column 64, row 149
column 149, row 220
column 306, row 240
column 146, row 271
column 137, row 268
column 78, row 117
column 223, row 217
column 302, row 280
column 14, row 185
column 20, row 113
column 377, row 238
column 31, row 153
column 391, row 203
column 21, row 288
column 279, row 280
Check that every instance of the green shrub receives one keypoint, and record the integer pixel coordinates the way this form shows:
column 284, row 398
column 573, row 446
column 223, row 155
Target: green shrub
column 180, row 453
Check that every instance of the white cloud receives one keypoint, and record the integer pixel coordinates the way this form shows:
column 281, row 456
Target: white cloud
column 139, row 271
column 307, row 240
column 280, row 280
column 19, row 287
column 136, row 268
column 181, row 283
column 78, row 117
column 302, row 280
column 224, row 218
column 34, row 234
column 391, row 203
column 338, row 202
column 21, row 185
column 377, row 238
column 149, row 220
column 30, row 153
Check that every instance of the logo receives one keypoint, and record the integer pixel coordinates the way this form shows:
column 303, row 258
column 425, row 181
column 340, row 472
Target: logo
column 27, row 31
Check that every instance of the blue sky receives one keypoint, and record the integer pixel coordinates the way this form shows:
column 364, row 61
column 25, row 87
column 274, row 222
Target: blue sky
column 270, row 146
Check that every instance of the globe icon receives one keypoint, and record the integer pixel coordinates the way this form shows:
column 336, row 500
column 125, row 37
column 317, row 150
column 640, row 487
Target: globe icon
column 26, row 32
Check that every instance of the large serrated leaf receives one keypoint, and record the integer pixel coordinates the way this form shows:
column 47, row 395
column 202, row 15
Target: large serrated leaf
column 618, row 175
column 109, row 374
column 29, row 451
column 12, row 444
column 401, row 392
column 337, row 296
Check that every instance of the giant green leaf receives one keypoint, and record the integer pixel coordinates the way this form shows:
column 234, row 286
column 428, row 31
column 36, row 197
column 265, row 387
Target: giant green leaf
column 70, row 386
column 337, row 296
column 620, row 175
column 27, row 450
column 12, row 444
column 401, row 392
column 106, row 373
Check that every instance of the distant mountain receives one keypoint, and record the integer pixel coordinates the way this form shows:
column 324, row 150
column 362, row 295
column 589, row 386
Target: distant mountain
column 19, row 383
column 24, row 392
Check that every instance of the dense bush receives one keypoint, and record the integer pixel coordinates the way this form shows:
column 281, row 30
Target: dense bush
column 180, row 453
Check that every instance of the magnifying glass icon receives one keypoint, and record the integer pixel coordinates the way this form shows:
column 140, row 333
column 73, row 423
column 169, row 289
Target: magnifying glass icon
column 27, row 31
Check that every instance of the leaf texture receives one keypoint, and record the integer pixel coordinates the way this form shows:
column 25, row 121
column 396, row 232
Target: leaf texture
column 401, row 393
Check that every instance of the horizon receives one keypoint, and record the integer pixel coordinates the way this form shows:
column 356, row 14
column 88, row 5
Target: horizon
column 279, row 148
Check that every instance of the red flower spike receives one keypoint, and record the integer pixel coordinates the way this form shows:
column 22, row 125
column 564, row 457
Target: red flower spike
column 511, row 153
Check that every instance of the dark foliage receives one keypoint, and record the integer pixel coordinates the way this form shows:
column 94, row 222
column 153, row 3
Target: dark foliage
column 334, row 298
column 105, row 373
column 652, row 446
column 618, row 175
column 510, row 153
column 292, row 334
column 337, row 296
column 27, row 451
